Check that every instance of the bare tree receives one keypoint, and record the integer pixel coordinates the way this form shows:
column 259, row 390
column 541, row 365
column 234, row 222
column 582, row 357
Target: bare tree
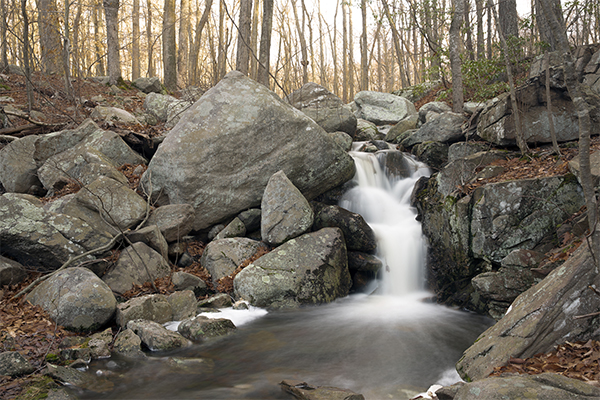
column 3, row 39
column 265, row 43
column 244, row 31
column 151, row 66
column 455, row 53
column 135, row 40
column 508, row 18
column 169, row 46
column 364, row 66
column 195, row 47
column 50, row 42
column 111, row 12
column 183, row 52
column 26, row 52
column 544, row 28
column 303, row 50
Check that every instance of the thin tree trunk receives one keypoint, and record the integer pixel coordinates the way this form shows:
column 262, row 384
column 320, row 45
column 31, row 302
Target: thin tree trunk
column 111, row 12
column 350, row 57
column 67, row 53
column 183, row 48
column 149, row 40
column 243, row 44
column 322, row 71
column 469, row 29
column 455, row 52
column 310, row 40
column 50, row 41
column 265, row 43
column 100, row 69
column 254, row 41
column 334, row 53
column 76, row 48
column 513, row 95
column 26, row 62
column 344, row 53
column 364, row 68
column 222, row 63
column 169, row 46
column 300, row 30
column 196, row 43
column 3, row 38
column 135, row 40
column 395, row 40
column 549, row 106
column 480, row 41
column 489, row 31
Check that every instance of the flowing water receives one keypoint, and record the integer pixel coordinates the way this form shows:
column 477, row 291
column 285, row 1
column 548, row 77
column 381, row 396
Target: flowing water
column 390, row 344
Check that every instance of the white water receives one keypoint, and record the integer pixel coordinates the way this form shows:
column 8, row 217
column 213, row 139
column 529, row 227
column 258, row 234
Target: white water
column 388, row 345
column 384, row 202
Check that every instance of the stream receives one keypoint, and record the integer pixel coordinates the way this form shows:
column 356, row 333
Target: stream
column 391, row 343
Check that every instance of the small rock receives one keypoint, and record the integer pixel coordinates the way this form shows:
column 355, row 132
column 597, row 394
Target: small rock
column 12, row 363
column 201, row 328
column 156, row 337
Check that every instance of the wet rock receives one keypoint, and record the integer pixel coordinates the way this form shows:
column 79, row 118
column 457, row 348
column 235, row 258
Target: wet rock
column 545, row 386
column 183, row 304
column 137, row 264
column 12, row 363
column 152, row 307
column 73, row 377
column 539, row 318
column 220, row 300
column 174, row 220
column 76, row 299
column 200, row 328
column 325, row 108
column 434, row 154
column 400, row 128
column 11, row 272
column 363, row 269
column 304, row 391
column 342, row 139
column 366, row 131
column 221, row 257
column 382, row 108
column 128, row 344
column 223, row 172
column 286, row 213
column 99, row 344
column 357, row 233
column 156, row 337
column 463, row 150
column 310, row 269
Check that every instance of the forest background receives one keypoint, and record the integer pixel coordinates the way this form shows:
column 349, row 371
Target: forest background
column 346, row 46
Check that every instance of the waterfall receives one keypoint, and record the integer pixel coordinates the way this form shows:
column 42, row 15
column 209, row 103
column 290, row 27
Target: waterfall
column 382, row 197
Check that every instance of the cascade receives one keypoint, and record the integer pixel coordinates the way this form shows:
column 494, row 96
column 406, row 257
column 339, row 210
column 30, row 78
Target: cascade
column 383, row 199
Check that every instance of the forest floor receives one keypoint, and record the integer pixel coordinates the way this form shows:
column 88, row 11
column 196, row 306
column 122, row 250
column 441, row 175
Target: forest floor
column 29, row 330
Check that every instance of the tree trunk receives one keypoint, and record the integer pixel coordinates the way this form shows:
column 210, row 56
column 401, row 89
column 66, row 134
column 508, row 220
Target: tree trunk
column 265, row 43
column 169, row 46
column 322, row 71
column 303, row 50
column 334, row 53
column 364, row 67
column 111, row 12
column 253, row 73
column 395, row 40
column 489, row 32
column 350, row 82
column 243, row 44
column 480, row 41
column 135, row 40
column 509, row 19
column 196, row 43
column 183, row 48
column 455, row 53
column 543, row 25
column 77, row 52
column 67, row 53
column 469, row 31
column 513, row 96
column 100, row 67
column 222, row 60
column 26, row 62
column 149, row 40
column 3, row 38
column 50, row 42
column 344, row 53
column 549, row 106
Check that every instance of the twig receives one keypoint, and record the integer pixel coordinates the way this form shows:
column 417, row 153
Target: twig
column 587, row 315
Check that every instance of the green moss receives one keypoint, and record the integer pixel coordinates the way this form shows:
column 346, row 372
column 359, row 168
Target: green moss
column 37, row 388
column 4, row 87
column 52, row 358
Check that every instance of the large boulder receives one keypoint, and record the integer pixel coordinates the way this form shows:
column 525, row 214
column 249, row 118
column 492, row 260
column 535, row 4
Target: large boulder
column 152, row 307
column 35, row 237
column 157, row 105
column 12, row 363
column 310, row 269
column 325, row 108
column 357, row 233
column 432, row 110
column 446, row 128
column 382, row 108
column 222, row 257
column 76, row 299
column 18, row 167
column 148, row 85
column 137, row 264
column 285, row 211
column 540, row 318
column 224, row 171
column 112, row 115
column 174, row 220
column 518, row 214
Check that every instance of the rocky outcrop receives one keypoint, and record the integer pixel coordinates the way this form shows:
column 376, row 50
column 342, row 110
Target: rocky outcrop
column 76, row 299
column 382, row 108
column 325, row 108
column 196, row 164
column 286, row 213
column 545, row 386
column 540, row 318
column 310, row 269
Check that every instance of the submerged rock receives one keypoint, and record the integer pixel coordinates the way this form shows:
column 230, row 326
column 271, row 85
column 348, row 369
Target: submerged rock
column 201, row 328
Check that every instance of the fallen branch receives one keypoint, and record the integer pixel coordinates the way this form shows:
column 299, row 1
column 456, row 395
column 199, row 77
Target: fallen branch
column 587, row 315
column 97, row 250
